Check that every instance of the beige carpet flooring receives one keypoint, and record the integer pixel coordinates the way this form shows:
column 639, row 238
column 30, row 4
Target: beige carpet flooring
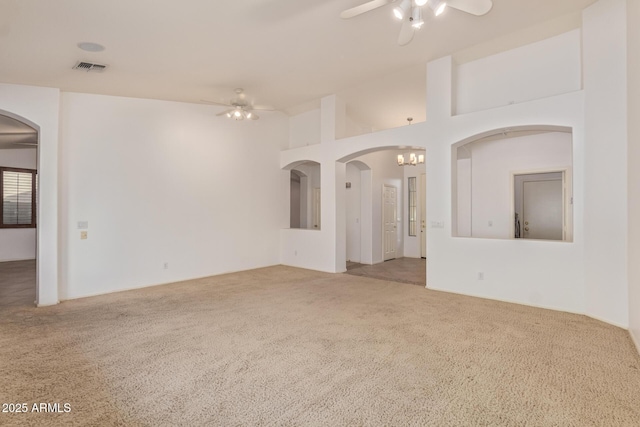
column 284, row 346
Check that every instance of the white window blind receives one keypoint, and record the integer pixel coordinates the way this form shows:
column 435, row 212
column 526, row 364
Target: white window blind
column 17, row 198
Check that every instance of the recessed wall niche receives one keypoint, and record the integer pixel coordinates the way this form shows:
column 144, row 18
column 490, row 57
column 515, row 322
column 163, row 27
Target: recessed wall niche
column 514, row 184
column 305, row 196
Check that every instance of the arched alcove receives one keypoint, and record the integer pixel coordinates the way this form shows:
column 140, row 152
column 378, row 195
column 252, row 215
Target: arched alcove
column 305, row 195
column 514, row 182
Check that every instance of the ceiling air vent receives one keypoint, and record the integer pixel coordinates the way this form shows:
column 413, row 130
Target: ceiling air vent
column 89, row 66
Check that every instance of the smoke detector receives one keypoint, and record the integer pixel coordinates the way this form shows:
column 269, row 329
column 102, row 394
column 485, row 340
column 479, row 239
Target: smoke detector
column 89, row 66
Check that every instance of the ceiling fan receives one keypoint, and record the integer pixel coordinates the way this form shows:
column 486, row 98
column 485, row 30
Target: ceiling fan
column 410, row 12
column 240, row 108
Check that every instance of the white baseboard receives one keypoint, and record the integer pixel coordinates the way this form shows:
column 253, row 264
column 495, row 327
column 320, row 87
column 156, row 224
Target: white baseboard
column 618, row 325
column 17, row 259
column 133, row 288
column 563, row 310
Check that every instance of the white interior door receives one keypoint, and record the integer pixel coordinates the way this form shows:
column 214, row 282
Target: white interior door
column 542, row 210
column 423, row 215
column 390, row 214
column 316, row 208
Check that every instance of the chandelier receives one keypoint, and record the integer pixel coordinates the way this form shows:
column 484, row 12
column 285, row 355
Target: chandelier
column 413, row 160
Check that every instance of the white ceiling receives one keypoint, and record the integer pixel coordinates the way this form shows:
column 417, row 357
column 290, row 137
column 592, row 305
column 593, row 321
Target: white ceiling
column 286, row 53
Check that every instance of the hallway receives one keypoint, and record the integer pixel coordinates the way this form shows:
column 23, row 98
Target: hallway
column 404, row 270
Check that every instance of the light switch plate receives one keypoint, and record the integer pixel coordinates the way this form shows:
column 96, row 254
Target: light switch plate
column 83, row 225
column 83, row 235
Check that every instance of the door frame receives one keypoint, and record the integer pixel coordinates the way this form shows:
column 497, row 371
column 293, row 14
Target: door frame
column 395, row 220
column 423, row 215
column 567, row 199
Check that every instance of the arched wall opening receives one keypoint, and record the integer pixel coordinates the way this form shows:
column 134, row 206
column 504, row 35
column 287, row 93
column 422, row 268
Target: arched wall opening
column 20, row 210
column 366, row 227
column 514, row 183
column 305, row 195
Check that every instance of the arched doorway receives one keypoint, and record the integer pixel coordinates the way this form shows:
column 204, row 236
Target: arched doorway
column 377, row 215
column 18, row 210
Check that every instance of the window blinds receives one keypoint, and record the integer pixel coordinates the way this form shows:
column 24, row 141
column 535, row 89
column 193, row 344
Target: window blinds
column 17, row 198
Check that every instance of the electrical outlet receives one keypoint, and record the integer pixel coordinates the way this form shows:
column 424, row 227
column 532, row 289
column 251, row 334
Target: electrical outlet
column 490, row 223
column 295, row 253
column 83, row 235
column 166, row 265
column 481, row 275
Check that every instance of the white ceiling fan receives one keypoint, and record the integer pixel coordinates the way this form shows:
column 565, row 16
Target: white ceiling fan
column 410, row 12
column 239, row 107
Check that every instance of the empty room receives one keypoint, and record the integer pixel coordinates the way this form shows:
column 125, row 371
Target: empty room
column 322, row 213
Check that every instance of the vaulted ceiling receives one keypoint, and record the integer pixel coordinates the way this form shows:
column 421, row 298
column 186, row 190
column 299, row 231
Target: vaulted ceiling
column 286, row 53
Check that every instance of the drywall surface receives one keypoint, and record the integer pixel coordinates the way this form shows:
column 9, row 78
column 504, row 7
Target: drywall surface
column 24, row 158
column 493, row 162
column 304, row 129
column 354, row 214
column 546, row 68
column 633, row 158
column 169, row 192
column 464, row 184
column 605, row 197
column 40, row 106
column 18, row 243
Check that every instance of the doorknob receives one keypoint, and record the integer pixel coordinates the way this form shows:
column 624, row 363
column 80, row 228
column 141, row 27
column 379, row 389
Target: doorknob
column 526, row 229
column 526, row 223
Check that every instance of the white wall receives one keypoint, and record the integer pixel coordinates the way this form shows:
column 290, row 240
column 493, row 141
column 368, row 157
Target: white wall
column 493, row 162
column 463, row 194
column 354, row 214
column 633, row 159
column 539, row 70
column 40, row 106
column 605, row 84
column 304, row 129
column 18, row 243
column 166, row 182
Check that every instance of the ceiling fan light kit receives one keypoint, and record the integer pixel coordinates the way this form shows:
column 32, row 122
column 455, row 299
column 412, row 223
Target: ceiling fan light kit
column 413, row 160
column 240, row 108
column 416, row 18
column 401, row 10
column 411, row 14
column 438, row 6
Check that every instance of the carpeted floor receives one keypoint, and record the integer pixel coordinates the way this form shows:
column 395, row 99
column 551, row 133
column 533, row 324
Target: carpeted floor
column 284, row 346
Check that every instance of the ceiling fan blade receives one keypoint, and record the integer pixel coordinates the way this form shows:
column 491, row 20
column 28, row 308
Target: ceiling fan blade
column 263, row 107
column 216, row 103
column 253, row 116
column 363, row 8
column 474, row 7
column 406, row 33
column 225, row 112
